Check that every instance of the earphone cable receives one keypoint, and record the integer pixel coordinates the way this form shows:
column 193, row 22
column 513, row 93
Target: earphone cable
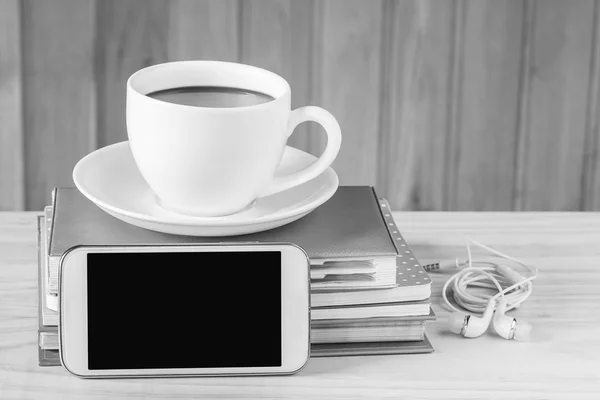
column 487, row 274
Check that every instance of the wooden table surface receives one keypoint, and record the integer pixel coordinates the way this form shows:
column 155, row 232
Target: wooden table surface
column 563, row 360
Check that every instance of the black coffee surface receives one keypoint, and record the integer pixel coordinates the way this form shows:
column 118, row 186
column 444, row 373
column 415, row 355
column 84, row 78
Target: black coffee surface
column 211, row 96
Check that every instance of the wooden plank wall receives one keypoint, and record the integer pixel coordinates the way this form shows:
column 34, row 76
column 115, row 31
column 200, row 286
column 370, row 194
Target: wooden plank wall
column 444, row 105
column 59, row 92
column 12, row 168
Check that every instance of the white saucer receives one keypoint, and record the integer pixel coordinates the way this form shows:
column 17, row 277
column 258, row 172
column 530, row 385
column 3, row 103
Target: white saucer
column 110, row 179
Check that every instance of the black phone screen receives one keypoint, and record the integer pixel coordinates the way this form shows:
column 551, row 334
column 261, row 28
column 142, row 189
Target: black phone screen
column 184, row 310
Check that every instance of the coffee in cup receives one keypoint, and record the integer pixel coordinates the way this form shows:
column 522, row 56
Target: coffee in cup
column 211, row 96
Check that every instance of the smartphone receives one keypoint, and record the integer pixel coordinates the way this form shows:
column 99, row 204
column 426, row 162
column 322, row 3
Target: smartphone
column 219, row 309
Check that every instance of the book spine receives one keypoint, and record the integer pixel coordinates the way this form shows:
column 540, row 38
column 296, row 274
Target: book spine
column 53, row 208
column 390, row 224
column 402, row 249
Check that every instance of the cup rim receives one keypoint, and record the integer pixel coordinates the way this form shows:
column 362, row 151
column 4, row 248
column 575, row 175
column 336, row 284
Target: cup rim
column 283, row 81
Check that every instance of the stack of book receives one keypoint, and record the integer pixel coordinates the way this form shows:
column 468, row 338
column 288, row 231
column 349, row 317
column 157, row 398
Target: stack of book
column 369, row 293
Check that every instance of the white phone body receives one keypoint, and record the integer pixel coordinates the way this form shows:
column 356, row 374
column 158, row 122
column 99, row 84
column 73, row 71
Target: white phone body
column 86, row 352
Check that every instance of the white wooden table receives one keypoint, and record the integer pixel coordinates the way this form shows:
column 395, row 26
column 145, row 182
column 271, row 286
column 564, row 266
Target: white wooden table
column 563, row 361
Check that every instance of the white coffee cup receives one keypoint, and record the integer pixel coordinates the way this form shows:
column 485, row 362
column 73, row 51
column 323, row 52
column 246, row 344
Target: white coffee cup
column 205, row 161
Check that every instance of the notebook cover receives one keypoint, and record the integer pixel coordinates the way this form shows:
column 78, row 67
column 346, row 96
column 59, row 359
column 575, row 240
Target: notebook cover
column 368, row 322
column 397, row 309
column 370, row 349
column 348, row 226
column 48, row 358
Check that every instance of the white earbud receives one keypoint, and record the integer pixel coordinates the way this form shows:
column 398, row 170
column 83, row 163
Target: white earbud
column 470, row 326
column 508, row 327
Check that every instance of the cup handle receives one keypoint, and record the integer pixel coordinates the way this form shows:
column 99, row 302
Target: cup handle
column 334, row 141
